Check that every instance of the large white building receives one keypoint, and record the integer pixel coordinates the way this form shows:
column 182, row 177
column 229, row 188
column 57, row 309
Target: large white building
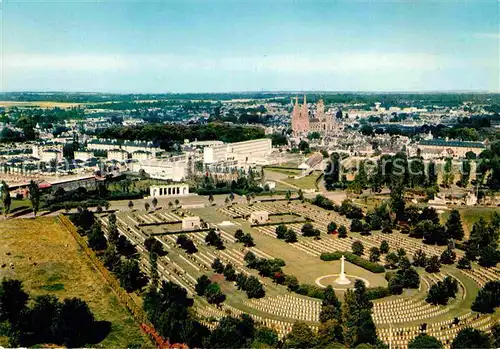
column 245, row 152
column 83, row 155
column 128, row 146
column 446, row 148
column 48, row 152
column 167, row 169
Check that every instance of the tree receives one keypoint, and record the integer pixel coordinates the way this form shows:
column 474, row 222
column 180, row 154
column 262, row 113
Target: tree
column 130, row 275
column 238, row 235
column 42, row 316
column 290, row 236
column 146, row 206
column 229, row 272
column 303, row 146
column 6, row 199
column 424, row 341
column 130, row 205
column 281, row 231
column 495, row 335
column 247, row 240
column 96, row 239
column 241, row 280
column 464, row 263
column 254, row 288
column 454, row 228
column 488, row 298
column 74, row 323
column 211, row 199
column 214, row 295
column 448, row 176
column 329, row 334
column 332, row 227
column 34, row 196
column 13, row 300
column 396, row 285
column 357, row 248
column 110, row 258
column 213, row 239
column 288, row 195
column 488, row 256
column 154, row 202
column 440, row 292
column 356, row 225
column 384, row 247
column 342, row 232
column 433, row 265
column 391, row 260
column 471, row 338
column 291, row 282
column 330, row 307
column 250, row 259
column 308, row 230
column 448, row 256
column 265, row 337
column 300, row 195
column 374, row 254
column 170, row 204
column 301, row 336
column 217, row 266
column 153, row 245
column 420, row 259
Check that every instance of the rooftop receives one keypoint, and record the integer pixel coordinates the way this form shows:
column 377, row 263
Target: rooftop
column 445, row 143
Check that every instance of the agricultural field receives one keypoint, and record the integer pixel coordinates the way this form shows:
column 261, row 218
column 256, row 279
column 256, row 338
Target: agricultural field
column 41, row 104
column 48, row 260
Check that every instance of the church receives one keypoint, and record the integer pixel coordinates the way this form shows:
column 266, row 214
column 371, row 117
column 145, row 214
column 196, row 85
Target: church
column 304, row 121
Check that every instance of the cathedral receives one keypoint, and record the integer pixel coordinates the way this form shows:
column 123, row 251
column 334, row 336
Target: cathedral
column 318, row 121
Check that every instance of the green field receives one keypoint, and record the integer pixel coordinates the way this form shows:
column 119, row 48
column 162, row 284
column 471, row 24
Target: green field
column 47, row 259
column 470, row 215
column 307, row 182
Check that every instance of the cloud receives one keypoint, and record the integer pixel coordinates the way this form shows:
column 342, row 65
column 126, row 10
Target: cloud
column 62, row 62
column 284, row 63
column 488, row 35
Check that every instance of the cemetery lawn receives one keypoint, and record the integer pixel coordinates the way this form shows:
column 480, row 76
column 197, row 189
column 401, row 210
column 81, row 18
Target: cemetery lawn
column 62, row 269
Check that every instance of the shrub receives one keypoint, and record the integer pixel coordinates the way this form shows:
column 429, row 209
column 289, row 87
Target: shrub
column 331, row 256
column 352, row 258
column 377, row 292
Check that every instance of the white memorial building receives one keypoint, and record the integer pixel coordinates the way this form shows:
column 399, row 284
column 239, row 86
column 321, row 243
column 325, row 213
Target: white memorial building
column 169, row 190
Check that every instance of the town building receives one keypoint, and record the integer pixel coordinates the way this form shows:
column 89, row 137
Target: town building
column 117, row 154
column 246, row 152
column 83, row 155
column 174, row 169
column 48, row 152
column 128, row 146
column 447, row 148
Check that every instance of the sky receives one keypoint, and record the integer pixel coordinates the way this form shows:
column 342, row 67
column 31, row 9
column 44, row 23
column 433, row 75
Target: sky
column 227, row 46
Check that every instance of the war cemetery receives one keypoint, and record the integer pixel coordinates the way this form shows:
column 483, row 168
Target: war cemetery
column 276, row 259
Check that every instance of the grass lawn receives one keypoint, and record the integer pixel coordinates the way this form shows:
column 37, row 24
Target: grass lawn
column 470, row 215
column 285, row 171
column 307, row 182
column 48, row 260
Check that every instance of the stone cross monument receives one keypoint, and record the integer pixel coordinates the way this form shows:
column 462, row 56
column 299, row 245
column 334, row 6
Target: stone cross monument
column 342, row 279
